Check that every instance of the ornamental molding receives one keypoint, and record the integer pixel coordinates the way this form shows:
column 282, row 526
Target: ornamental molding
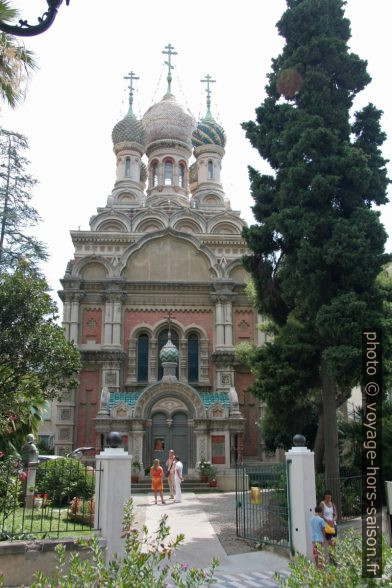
column 178, row 390
column 103, row 356
column 165, row 308
column 223, row 356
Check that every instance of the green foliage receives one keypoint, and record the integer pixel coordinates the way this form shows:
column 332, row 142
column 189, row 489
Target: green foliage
column 10, row 485
column 15, row 60
column 348, row 573
column 36, row 361
column 318, row 246
column 16, row 213
column 147, row 563
column 63, row 479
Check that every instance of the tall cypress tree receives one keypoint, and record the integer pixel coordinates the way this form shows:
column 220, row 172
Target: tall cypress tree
column 318, row 245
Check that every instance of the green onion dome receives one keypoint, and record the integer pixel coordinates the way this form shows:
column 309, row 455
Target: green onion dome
column 208, row 132
column 169, row 353
column 129, row 129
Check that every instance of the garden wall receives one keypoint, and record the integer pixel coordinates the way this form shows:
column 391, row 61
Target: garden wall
column 19, row 560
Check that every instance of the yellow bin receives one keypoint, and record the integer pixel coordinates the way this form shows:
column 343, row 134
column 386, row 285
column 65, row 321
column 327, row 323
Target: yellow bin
column 255, row 495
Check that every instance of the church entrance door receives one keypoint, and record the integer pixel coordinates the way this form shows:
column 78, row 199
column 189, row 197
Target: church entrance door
column 174, row 437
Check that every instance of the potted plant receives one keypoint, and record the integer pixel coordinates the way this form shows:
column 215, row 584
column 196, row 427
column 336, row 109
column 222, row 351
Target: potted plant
column 136, row 467
column 212, row 476
column 203, row 468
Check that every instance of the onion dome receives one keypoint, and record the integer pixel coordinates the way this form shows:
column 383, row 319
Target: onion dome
column 129, row 129
column 168, row 120
column 169, row 352
column 208, row 132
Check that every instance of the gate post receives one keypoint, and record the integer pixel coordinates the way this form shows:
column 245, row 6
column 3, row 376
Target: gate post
column 302, row 498
column 112, row 490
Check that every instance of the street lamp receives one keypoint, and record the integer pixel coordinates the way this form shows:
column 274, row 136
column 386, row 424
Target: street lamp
column 24, row 29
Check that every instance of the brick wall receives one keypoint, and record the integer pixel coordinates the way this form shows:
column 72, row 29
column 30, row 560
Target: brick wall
column 249, row 407
column 88, row 406
column 92, row 325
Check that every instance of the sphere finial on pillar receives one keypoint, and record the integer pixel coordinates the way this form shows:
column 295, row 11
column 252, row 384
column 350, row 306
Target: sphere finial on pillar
column 299, row 441
column 114, row 439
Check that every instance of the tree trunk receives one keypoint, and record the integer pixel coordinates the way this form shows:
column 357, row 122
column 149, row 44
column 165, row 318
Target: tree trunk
column 331, row 447
column 318, row 447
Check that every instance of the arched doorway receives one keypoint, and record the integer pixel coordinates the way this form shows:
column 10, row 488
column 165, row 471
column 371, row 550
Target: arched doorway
column 169, row 434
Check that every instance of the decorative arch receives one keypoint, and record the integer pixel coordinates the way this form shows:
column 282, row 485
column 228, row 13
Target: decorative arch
column 112, row 226
column 80, row 266
column 236, row 271
column 234, row 222
column 163, row 324
column 113, row 216
column 194, row 219
column 127, row 198
column 214, row 268
column 185, row 393
column 139, row 220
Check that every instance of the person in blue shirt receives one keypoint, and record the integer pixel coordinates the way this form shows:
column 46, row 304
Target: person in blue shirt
column 317, row 524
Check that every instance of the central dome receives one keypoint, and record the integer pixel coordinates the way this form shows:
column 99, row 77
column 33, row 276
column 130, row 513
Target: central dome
column 168, row 120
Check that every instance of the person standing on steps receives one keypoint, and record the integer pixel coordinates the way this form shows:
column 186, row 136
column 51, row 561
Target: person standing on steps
column 178, row 478
column 170, row 472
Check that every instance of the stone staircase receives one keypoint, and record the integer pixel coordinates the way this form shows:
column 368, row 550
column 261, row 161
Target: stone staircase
column 188, row 485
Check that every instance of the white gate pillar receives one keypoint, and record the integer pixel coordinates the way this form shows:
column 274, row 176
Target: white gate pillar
column 302, row 488
column 112, row 490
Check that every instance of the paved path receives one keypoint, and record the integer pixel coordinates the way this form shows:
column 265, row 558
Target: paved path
column 248, row 569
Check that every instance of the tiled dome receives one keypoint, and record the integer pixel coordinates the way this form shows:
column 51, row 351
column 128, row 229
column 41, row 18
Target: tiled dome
column 168, row 120
column 169, row 352
column 128, row 129
column 208, row 132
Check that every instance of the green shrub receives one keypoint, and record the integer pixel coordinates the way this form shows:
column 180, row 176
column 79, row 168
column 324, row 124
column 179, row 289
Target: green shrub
column 147, row 563
column 63, row 479
column 11, row 475
column 348, row 572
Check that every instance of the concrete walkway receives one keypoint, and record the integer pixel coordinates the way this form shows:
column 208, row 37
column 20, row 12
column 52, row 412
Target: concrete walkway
column 255, row 568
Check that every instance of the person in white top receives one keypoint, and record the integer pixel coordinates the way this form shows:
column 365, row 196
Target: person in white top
column 178, row 478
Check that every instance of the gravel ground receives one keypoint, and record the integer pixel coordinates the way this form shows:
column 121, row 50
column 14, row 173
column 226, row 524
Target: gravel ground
column 220, row 508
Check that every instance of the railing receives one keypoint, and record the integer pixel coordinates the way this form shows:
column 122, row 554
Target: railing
column 47, row 500
column 348, row 487
column 262, row 507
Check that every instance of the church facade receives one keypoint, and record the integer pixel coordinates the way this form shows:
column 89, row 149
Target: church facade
column 161, row 268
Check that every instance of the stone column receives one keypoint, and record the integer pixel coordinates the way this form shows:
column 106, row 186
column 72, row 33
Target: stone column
column 74, row 318
column 219, row 324
column 302, row 488
column 153, row 360
column 67, row 317
column 112, row 490
column 228, row 324
column 117, row 312
column 108, row 323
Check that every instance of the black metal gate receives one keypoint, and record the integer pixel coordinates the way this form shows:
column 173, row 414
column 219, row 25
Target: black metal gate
column 263, row 504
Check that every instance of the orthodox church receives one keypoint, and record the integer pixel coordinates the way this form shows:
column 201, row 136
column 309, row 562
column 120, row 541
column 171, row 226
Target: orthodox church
column 155, row 299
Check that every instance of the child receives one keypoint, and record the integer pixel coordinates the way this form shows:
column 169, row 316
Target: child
column 318, row 533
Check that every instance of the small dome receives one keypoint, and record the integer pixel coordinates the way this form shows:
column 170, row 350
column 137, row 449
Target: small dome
column 208, row 132
column 168, row 120
column 169, row 352
column 128, row 129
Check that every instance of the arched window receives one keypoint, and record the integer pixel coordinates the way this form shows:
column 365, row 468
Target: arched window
column 210, row 169
column 142, row 358
column 193, row 358
column 168, row 174
column 181, row 175
column 154, row 174
column 127, row 167
column 162, row 340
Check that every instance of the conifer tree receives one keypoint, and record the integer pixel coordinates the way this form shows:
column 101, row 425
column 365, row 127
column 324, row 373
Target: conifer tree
column 318, row 245
column 16, row 213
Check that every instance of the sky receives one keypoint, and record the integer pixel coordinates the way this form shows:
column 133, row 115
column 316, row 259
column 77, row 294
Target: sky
column 78, row 94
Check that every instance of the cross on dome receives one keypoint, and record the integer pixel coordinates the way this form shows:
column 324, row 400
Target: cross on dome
column 131, row 77
column 169, row 53
column 208, row 80
column 169, row 316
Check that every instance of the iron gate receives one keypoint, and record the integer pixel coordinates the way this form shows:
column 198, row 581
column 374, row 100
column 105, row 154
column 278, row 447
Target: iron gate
column 263, row 504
